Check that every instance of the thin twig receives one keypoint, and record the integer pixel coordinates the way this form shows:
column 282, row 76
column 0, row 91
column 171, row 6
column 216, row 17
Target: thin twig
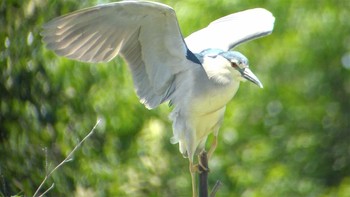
column 53, row 185
column 215, row 188
column 67, row 159
column 203, row 175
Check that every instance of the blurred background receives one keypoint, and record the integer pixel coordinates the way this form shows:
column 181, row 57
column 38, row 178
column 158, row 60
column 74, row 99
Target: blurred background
column 291, row 138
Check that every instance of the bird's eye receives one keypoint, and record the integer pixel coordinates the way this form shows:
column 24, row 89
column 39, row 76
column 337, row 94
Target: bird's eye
column 234, row 64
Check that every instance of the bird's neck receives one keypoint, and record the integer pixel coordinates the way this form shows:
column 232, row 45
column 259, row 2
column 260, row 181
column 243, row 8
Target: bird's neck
column 216, row 89
column 221, row 84
column 219, row 74
column 221, row 78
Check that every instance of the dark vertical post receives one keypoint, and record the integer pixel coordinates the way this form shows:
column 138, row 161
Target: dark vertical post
column 203, row 175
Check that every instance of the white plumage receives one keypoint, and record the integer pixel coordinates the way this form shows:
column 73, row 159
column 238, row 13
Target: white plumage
column 198, row 75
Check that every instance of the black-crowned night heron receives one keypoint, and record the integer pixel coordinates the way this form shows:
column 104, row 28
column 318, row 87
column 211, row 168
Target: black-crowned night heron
column 197, row 75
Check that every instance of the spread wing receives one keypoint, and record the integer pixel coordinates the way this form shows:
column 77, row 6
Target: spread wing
column 146, row 34
column 229, row 31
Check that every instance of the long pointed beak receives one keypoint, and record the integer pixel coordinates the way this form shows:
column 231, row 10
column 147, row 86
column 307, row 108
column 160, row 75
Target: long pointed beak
column 248, row 74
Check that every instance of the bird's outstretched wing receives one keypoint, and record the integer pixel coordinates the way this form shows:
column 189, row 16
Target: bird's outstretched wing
column 146, row 34
column 229, row 31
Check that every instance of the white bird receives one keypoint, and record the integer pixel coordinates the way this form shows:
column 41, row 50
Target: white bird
column 198, row 75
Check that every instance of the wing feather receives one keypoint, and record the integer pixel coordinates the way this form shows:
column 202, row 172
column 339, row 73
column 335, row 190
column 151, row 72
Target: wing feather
column 229, row 31
column 146, row 34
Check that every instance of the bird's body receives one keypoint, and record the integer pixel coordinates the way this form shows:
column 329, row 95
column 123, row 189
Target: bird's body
column 197, row 75
column 202, row 110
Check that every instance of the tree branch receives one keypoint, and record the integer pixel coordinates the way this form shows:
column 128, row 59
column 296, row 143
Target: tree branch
column 215, row 188
column 67, row 159
column 203, row 175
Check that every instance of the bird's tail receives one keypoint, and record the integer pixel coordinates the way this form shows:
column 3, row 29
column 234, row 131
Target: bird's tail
column 178, row 132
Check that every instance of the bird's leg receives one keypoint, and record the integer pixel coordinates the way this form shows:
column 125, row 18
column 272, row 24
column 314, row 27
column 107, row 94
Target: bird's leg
column 193, row 170
column 213, row 146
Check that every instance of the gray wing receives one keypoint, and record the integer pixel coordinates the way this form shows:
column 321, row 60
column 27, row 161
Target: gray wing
column 229, row 31
column 146, row 34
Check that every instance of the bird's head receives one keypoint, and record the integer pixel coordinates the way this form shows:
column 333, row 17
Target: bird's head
column 240, row 67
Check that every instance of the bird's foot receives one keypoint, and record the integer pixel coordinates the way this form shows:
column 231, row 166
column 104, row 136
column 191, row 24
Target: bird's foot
column 199, row 168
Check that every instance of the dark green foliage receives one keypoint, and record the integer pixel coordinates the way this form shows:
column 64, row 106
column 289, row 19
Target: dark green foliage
column 291, row 138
